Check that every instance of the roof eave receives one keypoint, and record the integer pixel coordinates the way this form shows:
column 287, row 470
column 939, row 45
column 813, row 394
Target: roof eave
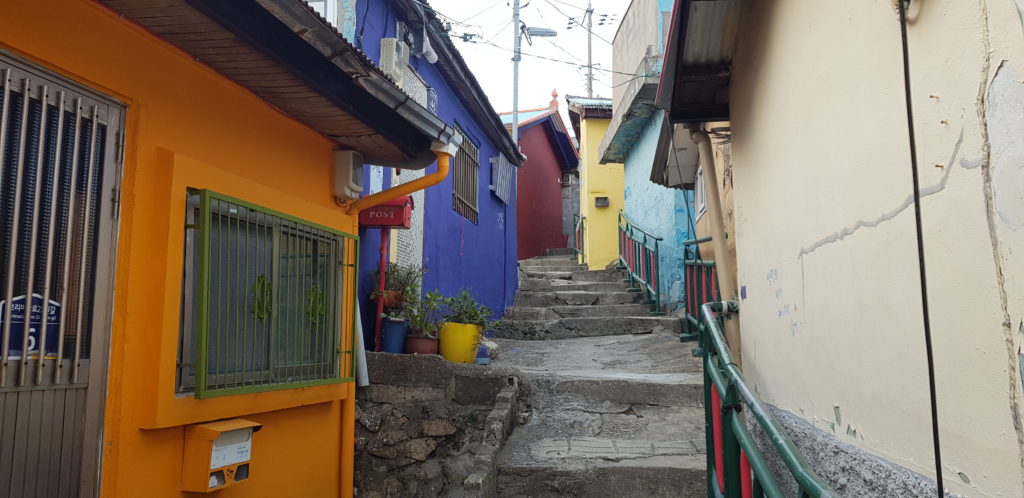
column 697, row 69
column 467, row 88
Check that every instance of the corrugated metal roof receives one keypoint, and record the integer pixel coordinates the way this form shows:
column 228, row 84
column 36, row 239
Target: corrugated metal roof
column 506, row 118
column 311, row 73
column 589, row 102
column 710, row 33
column 696, row 71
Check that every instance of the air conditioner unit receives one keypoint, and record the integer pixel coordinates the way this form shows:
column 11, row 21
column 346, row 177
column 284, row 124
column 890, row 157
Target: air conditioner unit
column 394, row 57
column 348, row 175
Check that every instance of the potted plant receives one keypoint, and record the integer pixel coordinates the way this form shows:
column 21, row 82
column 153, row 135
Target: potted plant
column 464, row 323
column 401, row 284
column 425, row 318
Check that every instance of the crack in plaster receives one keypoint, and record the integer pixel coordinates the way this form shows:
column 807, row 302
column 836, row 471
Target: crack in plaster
column 892, row 213
column 1013, row 360
column 1020, row 10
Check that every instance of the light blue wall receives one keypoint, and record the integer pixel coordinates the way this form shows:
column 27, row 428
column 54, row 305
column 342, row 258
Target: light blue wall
column 658, row 210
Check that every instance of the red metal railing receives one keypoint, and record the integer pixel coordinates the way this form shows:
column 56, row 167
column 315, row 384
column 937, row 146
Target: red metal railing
column 638, row 255
column 701, row 286
column 737, row 467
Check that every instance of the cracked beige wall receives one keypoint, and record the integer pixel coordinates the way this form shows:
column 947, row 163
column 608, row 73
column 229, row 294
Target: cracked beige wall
column 825, row 232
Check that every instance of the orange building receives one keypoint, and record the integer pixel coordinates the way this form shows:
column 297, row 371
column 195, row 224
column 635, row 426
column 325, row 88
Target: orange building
column 177, row 270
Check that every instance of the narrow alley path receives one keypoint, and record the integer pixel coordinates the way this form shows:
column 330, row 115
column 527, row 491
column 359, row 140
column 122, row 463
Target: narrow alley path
column 614, row 396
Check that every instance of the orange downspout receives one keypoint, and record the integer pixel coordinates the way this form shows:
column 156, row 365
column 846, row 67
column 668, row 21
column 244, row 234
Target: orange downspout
column 348, row 443
column 406, row 188
column 348, row 405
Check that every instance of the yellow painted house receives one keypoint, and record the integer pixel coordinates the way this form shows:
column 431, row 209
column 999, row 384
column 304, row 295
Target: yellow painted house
column 601, row 185
column 179, row 220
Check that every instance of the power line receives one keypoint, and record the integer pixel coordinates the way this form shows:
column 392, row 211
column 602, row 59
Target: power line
column 573, row 20
column 554, row 41
column 489, row 7
column 571, row 5
column 495, row 45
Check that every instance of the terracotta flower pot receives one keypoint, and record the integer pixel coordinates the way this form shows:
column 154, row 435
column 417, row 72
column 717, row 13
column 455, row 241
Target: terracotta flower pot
column 392, row 298
column 420, row 345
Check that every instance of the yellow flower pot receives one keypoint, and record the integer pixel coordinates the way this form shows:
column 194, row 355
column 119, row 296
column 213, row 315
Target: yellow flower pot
column 459, row 342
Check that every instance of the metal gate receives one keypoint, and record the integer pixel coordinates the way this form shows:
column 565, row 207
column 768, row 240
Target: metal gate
column 60, row 156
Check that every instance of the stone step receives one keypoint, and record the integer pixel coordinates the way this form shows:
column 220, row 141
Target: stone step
column 564, row 268
column 549, row 261
column 650, row 369
column 555, row 312
column 599, row 276
column 564, row 328
column 544, row 284
column 558, row 275
column 561, row 251
column 555, row 298
column 669, row 475
column 615, row 449
column 609, row 416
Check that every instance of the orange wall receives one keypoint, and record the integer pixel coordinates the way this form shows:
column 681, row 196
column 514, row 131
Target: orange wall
column 188, row 126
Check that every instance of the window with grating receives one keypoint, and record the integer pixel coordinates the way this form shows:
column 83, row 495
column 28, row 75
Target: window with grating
column 263, row 300
column 503, row 178
column 466, row 175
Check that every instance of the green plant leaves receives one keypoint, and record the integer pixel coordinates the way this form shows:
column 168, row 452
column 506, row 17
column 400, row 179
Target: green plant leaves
column 263, row 292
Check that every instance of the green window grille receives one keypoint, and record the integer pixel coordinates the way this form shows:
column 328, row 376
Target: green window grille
column 265, row 300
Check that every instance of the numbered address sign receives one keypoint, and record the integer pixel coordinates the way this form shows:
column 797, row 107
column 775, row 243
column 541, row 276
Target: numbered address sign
column 35, row 323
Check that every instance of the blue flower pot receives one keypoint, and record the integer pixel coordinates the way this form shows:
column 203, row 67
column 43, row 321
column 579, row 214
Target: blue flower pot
column 393, row 335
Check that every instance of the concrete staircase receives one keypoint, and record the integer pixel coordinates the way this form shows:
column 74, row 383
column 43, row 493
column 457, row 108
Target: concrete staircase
column 614, row 397
column 559, row 299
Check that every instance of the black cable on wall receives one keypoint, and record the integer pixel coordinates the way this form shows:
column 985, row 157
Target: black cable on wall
column 920, row 247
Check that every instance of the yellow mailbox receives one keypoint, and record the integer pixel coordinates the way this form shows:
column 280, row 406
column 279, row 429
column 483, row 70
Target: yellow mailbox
column 217, row 454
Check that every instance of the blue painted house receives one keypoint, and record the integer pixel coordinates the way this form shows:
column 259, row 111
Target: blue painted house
column 633, row 139
column 464, row 229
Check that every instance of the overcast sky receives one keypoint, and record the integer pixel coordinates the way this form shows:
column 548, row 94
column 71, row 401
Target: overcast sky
column 489, row 53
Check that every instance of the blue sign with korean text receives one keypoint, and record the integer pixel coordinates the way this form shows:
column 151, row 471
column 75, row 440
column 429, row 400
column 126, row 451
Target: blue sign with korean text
column 35, row 324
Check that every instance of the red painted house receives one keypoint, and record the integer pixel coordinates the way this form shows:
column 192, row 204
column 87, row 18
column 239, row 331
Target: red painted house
column 551, row 160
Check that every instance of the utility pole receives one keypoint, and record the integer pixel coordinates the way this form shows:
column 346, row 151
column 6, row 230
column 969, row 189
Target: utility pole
column 590, row 51
column 520, row 30
column 516, row 32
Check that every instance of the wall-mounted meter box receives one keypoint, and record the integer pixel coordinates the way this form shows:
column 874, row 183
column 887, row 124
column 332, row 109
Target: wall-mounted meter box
column 601, row 202
column 217, row 454
column 348, row 175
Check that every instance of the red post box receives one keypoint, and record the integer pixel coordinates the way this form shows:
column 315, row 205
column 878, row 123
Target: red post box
column 392, row 214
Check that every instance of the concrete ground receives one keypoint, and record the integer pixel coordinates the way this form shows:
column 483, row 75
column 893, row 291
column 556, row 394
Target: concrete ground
column 611, row 416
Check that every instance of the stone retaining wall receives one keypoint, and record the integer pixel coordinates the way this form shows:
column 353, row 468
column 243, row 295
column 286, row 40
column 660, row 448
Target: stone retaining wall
column 427, row 427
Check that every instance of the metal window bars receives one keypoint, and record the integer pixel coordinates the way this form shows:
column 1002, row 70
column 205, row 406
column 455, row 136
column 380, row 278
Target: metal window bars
column 267, row 301
column 59, row 181
column 53, row 148
column 638, row 255
column 465, row 184
column 736, row 465
column 503, row 175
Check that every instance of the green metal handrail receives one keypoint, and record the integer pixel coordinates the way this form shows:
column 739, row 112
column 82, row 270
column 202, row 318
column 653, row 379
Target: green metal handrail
column 726, row 396
column 638, row 255
column 701, row 286
column 623, row 217
column 580, row 238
